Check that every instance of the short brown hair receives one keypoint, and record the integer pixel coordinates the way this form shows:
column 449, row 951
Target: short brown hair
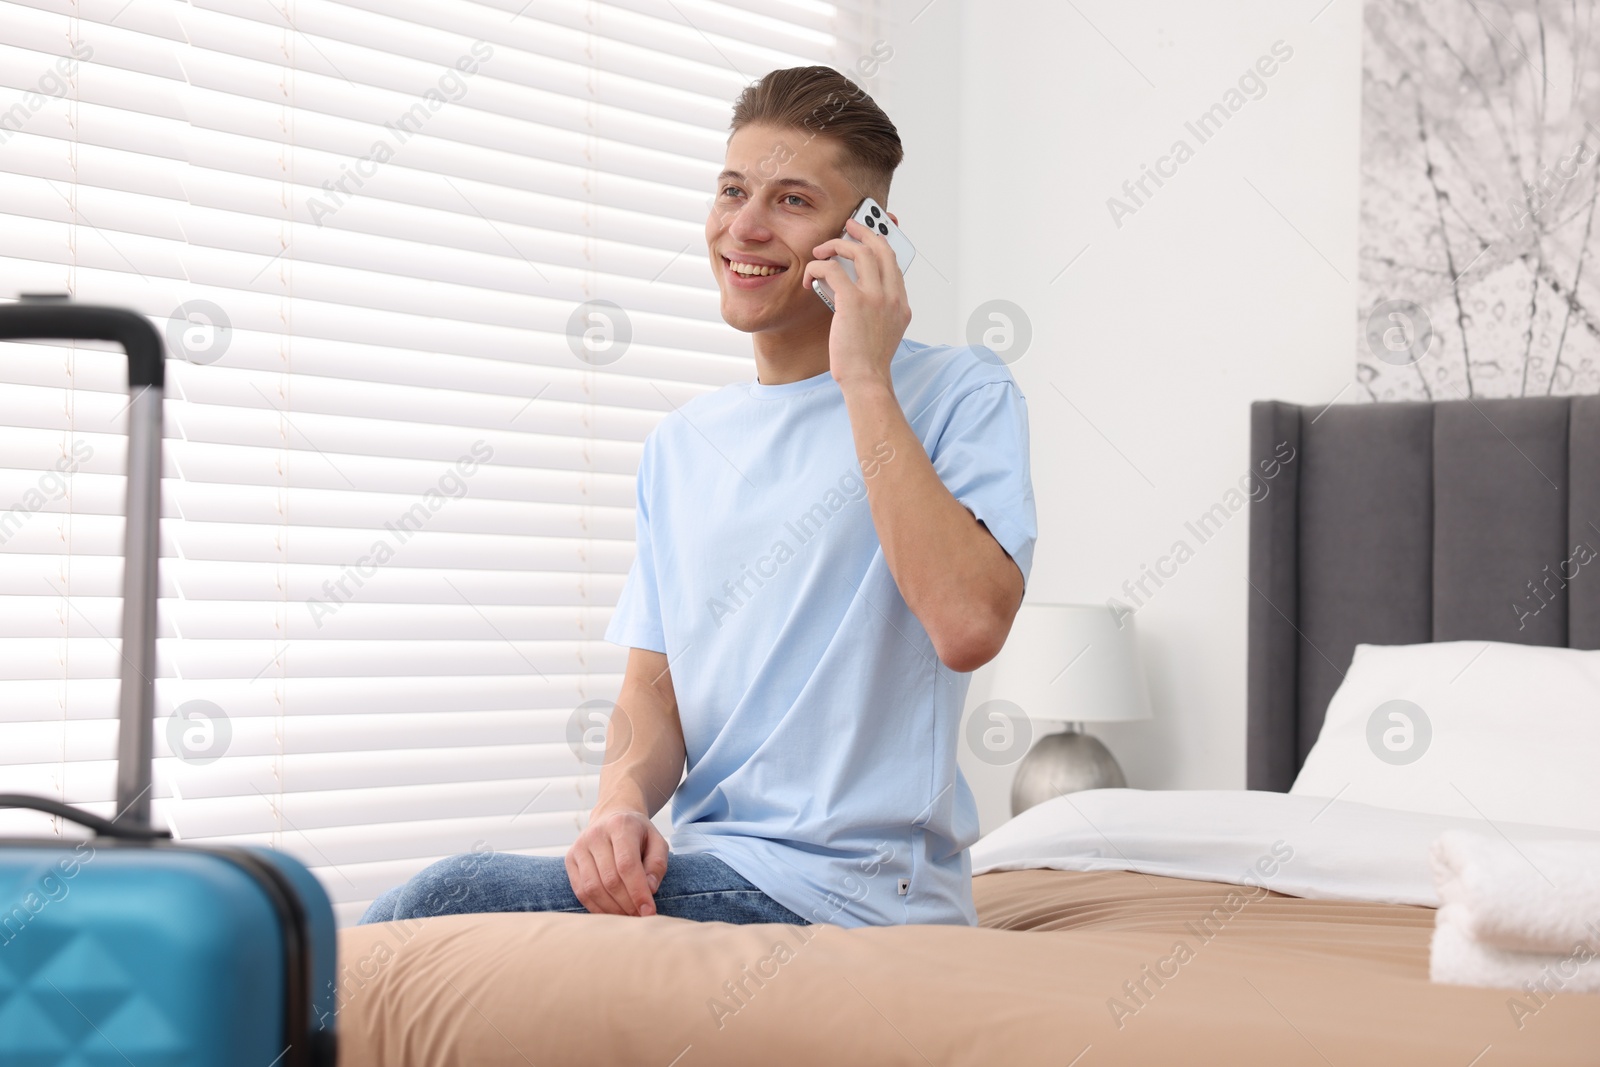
column 821, row 101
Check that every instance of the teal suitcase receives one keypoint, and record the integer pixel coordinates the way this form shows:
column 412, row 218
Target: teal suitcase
column 127, row 947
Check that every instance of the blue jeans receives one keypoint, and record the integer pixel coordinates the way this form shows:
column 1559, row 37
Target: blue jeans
column 697, row 886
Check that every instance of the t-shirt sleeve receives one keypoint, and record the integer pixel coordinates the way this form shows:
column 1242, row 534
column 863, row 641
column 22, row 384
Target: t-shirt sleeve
column 636, row 622
column 981, row 456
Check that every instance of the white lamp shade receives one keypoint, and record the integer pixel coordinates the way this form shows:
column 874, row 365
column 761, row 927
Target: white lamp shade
column 1071, row 663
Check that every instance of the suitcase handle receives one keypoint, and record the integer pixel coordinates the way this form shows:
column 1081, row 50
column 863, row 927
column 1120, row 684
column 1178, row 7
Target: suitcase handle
column 103, row 827
column 56, row 316
column 50, row 316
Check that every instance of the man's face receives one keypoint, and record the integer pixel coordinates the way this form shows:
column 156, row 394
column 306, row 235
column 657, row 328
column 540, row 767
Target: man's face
column 779, row 196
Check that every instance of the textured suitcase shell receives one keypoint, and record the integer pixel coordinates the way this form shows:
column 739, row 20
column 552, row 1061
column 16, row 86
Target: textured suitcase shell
column 159, row 954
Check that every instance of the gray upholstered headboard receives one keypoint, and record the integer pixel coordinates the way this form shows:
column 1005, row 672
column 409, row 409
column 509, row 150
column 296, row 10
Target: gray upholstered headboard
column 1401, row 523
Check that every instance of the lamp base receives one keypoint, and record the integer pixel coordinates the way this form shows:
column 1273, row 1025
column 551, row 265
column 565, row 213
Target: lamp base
column 1063, row 763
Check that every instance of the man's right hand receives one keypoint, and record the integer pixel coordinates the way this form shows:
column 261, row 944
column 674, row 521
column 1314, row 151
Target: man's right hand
column 617, row 863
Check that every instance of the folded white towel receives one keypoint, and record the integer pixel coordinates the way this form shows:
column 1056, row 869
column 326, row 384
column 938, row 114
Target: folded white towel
column 1532, row 897
column 1458, row 958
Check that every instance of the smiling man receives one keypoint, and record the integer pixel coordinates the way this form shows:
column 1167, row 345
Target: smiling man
column 824, row 555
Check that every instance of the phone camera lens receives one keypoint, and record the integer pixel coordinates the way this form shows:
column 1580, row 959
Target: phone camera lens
column 874, row 212
column 883, row 228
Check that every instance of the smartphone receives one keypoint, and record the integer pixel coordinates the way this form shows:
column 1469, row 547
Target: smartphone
column 870, row 214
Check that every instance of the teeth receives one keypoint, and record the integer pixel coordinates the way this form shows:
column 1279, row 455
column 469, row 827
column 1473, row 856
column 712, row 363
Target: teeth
column 754, row 269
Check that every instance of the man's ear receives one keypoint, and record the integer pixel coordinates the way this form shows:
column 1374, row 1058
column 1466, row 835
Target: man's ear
column 892, row 218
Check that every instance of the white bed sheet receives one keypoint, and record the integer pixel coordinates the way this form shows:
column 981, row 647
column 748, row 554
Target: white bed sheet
column 1302, row 846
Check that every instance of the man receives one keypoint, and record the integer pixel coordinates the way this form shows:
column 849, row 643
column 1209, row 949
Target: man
column 824, row 554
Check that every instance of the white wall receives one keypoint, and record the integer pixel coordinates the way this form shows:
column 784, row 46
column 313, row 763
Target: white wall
column 1234, row 282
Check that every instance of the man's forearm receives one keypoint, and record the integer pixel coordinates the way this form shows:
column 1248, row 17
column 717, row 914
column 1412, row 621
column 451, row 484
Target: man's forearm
column 953, row 574
column 644, row 746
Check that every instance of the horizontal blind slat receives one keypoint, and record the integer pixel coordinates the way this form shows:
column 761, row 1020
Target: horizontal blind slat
column 60, row 701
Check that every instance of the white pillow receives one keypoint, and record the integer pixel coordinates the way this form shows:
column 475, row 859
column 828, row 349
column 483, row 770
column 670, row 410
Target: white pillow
column 1477, row 729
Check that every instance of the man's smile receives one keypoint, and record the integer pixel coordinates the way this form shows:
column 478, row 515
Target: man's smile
column 750, row 272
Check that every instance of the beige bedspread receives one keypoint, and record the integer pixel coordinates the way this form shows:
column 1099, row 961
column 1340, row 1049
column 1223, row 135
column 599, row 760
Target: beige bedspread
column 1066, row 969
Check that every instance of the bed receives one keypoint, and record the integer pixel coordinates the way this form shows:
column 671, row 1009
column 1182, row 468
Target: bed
column 1257, row 926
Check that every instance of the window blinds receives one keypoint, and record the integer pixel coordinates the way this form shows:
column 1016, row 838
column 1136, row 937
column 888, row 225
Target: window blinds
column 398, row 484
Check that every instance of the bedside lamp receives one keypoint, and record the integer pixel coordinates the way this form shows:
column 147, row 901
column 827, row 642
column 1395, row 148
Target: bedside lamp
column 1069, row 663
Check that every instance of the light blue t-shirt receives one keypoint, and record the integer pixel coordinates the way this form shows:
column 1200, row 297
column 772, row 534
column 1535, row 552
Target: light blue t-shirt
column 821, row 727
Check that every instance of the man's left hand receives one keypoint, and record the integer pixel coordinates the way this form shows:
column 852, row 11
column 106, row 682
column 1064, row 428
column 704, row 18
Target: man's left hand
column 870, row 314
